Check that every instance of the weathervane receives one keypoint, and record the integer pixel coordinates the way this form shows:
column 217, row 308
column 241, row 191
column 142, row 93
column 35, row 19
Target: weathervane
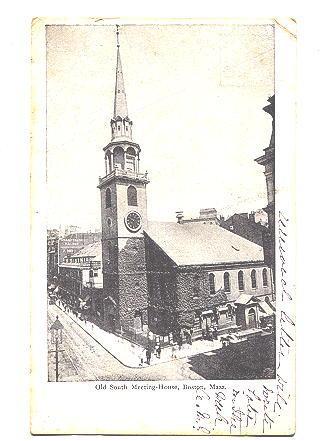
column 117, row 35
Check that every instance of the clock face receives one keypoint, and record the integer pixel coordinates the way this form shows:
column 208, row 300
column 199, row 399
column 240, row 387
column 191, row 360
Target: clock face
column 133, row 221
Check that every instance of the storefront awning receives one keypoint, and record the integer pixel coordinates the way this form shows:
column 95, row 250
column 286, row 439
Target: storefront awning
column 222, row 309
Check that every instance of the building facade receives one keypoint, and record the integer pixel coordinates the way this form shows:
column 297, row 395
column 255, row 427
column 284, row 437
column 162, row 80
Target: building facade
column 245, row 225
column 123, row 218
column 173, row 280
column 74, row 242
column 80, row 280
column 196, row 272
column 52, row 253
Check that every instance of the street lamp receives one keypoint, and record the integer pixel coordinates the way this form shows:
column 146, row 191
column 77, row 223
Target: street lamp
column 56, row 337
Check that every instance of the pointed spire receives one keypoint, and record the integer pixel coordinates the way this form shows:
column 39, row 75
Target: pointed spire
column 120, row 105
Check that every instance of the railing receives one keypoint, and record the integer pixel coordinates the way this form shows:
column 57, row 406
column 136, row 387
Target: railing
column 95, row 264
column 125, row 173
column 135, row 337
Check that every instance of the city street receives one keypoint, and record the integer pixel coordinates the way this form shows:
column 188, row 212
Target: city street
column 83, row 359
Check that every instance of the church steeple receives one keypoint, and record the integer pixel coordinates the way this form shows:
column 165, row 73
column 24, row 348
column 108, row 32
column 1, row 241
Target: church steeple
column 120, row 105
column 121, row 124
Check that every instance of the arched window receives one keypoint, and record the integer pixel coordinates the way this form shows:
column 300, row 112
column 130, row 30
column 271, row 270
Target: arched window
column 108, row 163
column 130, row 159
column 226, row 278
column 253, row 278
column 131, row 151
column 241, row 281
column 119, row 161
column 108, row 198
column 132, row 196
column 212, row 283
column 265, row 277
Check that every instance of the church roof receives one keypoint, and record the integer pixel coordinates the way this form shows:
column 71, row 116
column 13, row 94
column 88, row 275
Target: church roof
column 244, row 299
column 202, row 244
column 266, row 308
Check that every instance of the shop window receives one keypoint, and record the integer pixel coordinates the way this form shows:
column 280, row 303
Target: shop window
column 241, row 281
column 253, row 278
column 226, row 278
column 265, row 277
column 212, row 283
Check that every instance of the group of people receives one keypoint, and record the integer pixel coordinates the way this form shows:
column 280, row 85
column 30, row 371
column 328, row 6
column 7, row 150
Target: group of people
column 210, row 333
column 149, row 353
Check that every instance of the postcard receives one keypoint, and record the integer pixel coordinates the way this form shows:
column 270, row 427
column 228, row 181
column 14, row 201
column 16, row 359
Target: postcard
column 163, row 226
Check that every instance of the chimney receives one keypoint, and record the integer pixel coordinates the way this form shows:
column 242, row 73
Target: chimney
column 179, row 216
column 252, row 216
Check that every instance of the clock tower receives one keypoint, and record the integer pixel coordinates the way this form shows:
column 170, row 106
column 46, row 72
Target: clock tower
column 123, row 217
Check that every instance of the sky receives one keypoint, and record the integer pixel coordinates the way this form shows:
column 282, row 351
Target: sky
column 195, row 95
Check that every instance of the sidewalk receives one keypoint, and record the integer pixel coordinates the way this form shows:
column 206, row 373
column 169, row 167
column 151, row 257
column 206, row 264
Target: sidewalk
column 130, row 354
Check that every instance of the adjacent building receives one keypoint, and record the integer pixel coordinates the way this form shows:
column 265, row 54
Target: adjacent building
column 72, row 243
column 245, row 225
column 80, row 280
column 52, row 253
column 268, row 161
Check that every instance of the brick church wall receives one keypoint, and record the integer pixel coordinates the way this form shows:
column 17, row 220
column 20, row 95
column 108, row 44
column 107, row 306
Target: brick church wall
column 194, row 294
column 132, row 281
column 161, row 278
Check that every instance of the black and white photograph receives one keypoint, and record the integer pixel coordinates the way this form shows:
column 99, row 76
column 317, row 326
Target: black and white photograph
column 161, row 232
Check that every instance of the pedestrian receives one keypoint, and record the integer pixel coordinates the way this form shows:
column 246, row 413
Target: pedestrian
column 148, row 355
column 173, row 352
column 158, row 351
column 141, row 359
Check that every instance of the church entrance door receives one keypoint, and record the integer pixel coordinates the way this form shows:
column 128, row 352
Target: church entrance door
column 251, row 318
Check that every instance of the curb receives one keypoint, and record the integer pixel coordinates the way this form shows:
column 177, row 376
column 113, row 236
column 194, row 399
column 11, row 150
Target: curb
column 107, row 350
column 135, row 367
